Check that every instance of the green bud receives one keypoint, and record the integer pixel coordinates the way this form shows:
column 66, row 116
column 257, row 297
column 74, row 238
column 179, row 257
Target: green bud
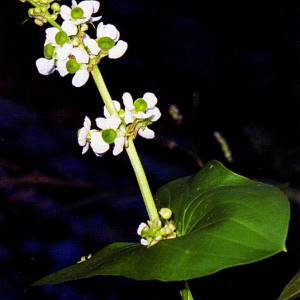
column 72, row 66
column 109, row 135
column 140, row 104
column 165, row 213
column 61, row 37
column 48, row 51
column 76, row 13
column 31, row 12
column 55, row 6
column 106, row 43
column 22, row 1
column 37, row 11
column 38, row 22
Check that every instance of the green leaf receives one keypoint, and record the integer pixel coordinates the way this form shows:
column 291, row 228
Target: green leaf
column 222, row 219
column 292, row 290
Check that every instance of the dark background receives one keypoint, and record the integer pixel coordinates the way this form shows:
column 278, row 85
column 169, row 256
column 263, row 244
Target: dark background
column 229, row 66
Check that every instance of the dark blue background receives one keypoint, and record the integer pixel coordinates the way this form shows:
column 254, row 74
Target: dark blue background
column 229, row 66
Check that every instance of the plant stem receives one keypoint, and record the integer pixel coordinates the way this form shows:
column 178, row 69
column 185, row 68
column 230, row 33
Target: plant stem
column 131, row 151
column 186, row 293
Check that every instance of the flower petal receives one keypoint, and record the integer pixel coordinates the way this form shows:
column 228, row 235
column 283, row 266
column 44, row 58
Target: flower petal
column 118, row 50
column 87, row 123
column 97, row 143
column 85, row 148
column 80, row 78
column 62, row 53
column 82, row 133
column 114, row 122
column 65, row 12
column 50, row 35
column 156, row 114
column 151, row 99
column 69, row 28
column 91, row 44
column 45, row 66
column 102, row 123
column 81, row 55
column 117, row 106
column 128, row 101
column 146, row 133
column 119, row 144
column 61, row 67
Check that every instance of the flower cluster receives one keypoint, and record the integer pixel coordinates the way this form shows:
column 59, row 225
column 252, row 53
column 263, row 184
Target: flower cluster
column 116, row 129
column 70, row 50
column 153, row 232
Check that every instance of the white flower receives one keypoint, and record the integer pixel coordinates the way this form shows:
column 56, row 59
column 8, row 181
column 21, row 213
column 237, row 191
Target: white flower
column 75, row 66
column 108, row 40
column 80, row 13
column 141, row 108
column 144, row 242
column 83, row 135
column 109, row 134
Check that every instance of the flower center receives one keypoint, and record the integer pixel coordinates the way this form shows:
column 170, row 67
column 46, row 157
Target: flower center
column 72, row 66
column 76, row 13
column 140, row 104
column 109, row 135
column 61, row 37
column 106, row 43
column 48, row 51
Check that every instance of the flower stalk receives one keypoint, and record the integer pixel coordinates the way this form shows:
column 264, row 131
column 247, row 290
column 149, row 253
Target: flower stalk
column 130, row 149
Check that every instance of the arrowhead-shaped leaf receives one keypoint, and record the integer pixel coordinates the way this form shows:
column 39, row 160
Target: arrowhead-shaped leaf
column 222, row 219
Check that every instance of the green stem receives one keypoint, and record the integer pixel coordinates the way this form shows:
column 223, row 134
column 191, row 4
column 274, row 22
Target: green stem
column 186, row 293
column 131, row 151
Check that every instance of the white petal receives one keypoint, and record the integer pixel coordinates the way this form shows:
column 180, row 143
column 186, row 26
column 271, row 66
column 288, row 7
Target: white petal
column 151, row 99
column 81, row 55
column 117, row 106
column 119, row 144
column 118, row 50
column 50, row 35
column 102, row 123
column 62, row 53
column 80, row 78
column 146, row 133
column 128, row 101
column 45, row 66
column 141, row 227
column 114, row 122
column 69, row 28
column 97, row 143
column 128, row 116
column 82, row 136
column 144, row 242
column 96, row 6
column 74, row 3
column 87, row 123
column 91, row 44
column 87, row 7
column 61, row 67
column 156, row 114
column 65, row 12
column 95, row 19
column 85, row 148
column 108, row 30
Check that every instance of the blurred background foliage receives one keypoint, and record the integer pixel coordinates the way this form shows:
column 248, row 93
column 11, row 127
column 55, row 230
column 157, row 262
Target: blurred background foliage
column 231, row 67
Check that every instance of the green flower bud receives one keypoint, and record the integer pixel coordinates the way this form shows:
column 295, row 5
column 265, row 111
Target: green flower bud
column 22, row 1
column 165, row 213
column 109, row 135
column 48, row 51
column 38, row 22
column 106, row 43
column 72, row 66
column 31, row 12
column 61, row 37
column 76, row 13
column 140, row 104
column 55, row 6
column 37, row 11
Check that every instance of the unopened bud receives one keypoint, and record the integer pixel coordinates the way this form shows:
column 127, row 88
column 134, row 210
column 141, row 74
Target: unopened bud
column 38, row 22
column 165, row 213
column 84, row 27
column 55, row 7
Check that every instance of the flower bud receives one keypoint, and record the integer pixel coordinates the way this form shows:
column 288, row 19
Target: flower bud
column 165, row 213
column 38, row 22
column 84, row 27
column 55, row 7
